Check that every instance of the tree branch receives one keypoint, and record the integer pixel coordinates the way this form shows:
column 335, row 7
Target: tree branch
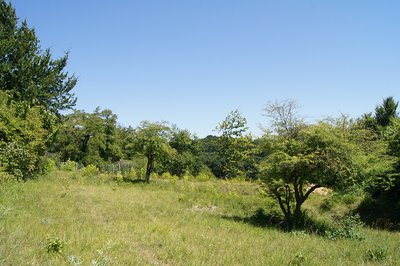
column 311, row 190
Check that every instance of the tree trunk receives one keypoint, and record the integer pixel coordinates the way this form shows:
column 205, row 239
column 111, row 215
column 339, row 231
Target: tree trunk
column 286, row 210
column 300, row 199
column 149, row 168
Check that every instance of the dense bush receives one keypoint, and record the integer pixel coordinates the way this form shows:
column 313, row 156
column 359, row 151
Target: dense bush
column 90, row 170
column 68, row 166
column 18, row 160
column 347, row 227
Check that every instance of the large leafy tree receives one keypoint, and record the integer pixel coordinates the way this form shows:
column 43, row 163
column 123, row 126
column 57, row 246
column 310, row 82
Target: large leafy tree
column 27, row 72
column 34, row 89
column 89, row 138
column 303, row 158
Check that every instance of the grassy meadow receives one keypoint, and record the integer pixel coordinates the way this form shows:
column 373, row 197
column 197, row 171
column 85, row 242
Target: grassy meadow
column 67, row 219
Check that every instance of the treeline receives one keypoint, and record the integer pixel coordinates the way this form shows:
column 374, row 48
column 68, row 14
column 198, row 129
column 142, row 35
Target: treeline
column 97, row 139
column 292, row 158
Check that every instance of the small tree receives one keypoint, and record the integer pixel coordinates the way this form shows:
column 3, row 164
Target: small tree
column 235, row 145
column 151, row 140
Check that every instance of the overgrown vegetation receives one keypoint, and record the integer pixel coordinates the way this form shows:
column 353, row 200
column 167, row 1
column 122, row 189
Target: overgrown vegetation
column 226, row 199
column 76, row 220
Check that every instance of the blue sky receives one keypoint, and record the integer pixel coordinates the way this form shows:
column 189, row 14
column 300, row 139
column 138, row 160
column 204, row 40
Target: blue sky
column 192, row 62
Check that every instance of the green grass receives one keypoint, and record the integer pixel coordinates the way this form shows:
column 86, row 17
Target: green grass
column 163, row 223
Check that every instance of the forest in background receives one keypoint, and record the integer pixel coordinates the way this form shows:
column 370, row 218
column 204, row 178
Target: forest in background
column 292, row 159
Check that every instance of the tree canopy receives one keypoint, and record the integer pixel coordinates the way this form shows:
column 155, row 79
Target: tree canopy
column 151, row 140
column 26, row 71
column 300, row 162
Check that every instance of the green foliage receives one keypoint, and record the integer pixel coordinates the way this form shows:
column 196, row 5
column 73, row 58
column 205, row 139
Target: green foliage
column 169, row 176
column 348, row 227
column 6, row 177
column 381, row 207
column 151, row 140
column 26, row 71
column 18, row 160
column 314, row 157
column 327, row 204
column 33, row 89
column 24, row 134
column 376, row 254
column 68, row 166
column 90, row 170
column 118, row 176
column 342, row 199
column 235, row 146
column 205, row 175
column 89, row 138
column 386, row 112
column 47, row 165
column 131, row 175
column 209, row 155
column 54, row 245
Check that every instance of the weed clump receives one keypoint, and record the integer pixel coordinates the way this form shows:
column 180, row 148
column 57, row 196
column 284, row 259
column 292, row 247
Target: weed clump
column 349, row 227
column 298, row 260
column 376, row 254
column 54, row 245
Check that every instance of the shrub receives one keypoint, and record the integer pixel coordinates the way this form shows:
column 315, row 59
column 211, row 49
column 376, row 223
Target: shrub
column 118, row 176
column 132, row 174
column 168, row 176
column 349, row 199
column 205, row 174
column 68, row 166
column 90, row 170
column 348, row 227
column 6, row 177
column 18, row 160
column 47, row 165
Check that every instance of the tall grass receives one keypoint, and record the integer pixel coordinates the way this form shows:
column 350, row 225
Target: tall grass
column 168, row 222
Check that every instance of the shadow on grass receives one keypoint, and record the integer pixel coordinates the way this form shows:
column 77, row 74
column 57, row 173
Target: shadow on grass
column 259, row 219
column 382, row 213
column 274, row 220
column 135, row 181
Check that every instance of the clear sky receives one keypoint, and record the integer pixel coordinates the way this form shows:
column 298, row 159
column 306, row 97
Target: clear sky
column 191, row 62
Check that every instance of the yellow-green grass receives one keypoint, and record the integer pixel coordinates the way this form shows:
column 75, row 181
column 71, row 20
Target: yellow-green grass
column 163, row 223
